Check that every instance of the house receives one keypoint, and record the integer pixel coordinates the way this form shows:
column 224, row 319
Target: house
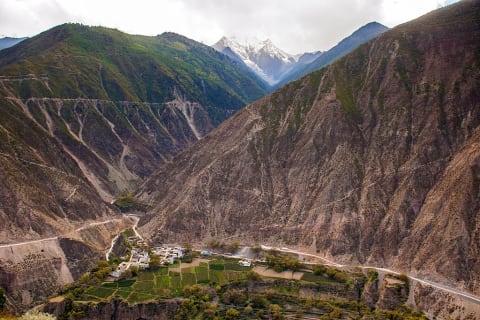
column 245, row 263
column 122, row 267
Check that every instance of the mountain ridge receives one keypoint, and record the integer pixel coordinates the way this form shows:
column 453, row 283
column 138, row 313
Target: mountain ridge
column 263, row 57
column 373, row 159
column 113, row 106
column 7, row 42
column 346, row 45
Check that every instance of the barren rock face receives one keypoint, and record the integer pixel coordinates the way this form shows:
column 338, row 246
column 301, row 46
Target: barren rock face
column 373, row 160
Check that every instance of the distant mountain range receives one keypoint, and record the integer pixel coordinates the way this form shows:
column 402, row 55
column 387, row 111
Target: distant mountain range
column 263, row 57
column 277, row 67
column 8, row 42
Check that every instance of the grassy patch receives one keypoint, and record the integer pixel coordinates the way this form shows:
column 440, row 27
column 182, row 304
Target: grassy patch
column 310, row 277
column 139, row 297
column 188, row 279
column 125, row 283
column 110, row 285
column 175, row 280
column 235, row 275
column 145, row 275
column 161, row 272
column 236, row 267
column 202, row 274
column 100, row 292
column 144, row 285
column 188, row 270
column 217, row 277
column 163, row 282
column 216, row 265
column 123, row 293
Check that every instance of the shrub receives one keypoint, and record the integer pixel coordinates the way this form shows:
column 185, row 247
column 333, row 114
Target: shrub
column 232, row 314
column 234, row 296
column 319, row 270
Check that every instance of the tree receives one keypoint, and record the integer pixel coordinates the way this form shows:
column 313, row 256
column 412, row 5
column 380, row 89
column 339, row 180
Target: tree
column 3, row 299
column 134, row 270
column 253, row 276
column 154, row 262
column 276, row 311
column 248, row 310
column 232, row 314
column 209, row 311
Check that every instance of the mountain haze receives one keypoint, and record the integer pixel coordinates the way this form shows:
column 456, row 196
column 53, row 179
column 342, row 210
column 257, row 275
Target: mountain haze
column 374, row 159
column 8, row 42
column 360, row 36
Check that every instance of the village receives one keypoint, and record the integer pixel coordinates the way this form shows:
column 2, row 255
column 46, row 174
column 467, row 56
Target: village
column 140, row 257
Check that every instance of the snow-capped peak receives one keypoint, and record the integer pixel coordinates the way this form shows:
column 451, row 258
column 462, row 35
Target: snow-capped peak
column 262, row 56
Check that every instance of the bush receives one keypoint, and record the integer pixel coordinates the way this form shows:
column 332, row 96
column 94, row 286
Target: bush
column 258, row 301
column 319, row 270
column 232, row 314
column 234, row 296
column 253, row 276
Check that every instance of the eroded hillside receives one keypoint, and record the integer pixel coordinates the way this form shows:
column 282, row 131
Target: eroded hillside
column 373, row 159
column 88, row 112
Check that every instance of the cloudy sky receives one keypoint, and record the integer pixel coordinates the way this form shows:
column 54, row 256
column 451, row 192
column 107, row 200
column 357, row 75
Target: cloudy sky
column 293, row 25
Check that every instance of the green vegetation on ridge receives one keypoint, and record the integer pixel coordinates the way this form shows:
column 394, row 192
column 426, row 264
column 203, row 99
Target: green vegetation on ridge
column 102, row 63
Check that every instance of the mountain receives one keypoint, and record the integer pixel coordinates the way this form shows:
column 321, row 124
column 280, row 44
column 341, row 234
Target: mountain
column 88, row 112
column 360, row 36
column 374, row 159
column 8, row 42
column 263, row 57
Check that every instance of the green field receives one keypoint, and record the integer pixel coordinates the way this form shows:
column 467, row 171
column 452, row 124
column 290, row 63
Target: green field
column 164, row 283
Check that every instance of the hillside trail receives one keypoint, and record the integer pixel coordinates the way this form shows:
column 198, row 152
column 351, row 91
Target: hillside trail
column 470, row 297
column 83, row 227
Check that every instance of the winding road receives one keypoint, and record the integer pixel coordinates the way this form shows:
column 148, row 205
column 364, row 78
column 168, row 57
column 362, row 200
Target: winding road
column 468, row 296
column 76, row 230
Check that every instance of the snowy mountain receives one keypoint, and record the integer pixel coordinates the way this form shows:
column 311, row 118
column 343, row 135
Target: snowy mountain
column 263, row 57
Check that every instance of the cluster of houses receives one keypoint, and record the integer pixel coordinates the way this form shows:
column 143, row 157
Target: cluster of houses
column 140, row 258
column 168, row 253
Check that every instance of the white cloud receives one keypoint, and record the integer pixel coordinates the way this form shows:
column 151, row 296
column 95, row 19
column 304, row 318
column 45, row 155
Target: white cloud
column 295, row 26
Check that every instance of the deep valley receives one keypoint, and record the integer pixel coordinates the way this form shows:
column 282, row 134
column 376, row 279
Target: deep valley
column 355, row 190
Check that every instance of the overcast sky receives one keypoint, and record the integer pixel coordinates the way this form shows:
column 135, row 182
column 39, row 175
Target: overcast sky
column 293, row 25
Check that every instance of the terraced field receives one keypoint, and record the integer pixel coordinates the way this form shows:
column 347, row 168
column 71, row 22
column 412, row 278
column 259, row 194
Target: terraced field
column 166, row 283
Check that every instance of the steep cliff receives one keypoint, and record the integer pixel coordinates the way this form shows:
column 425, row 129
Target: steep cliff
column 32, row 272
column 373, row 159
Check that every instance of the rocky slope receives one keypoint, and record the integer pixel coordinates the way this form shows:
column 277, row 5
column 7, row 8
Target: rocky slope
column 374, row 159
column 86, row 113
column 33, row 271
